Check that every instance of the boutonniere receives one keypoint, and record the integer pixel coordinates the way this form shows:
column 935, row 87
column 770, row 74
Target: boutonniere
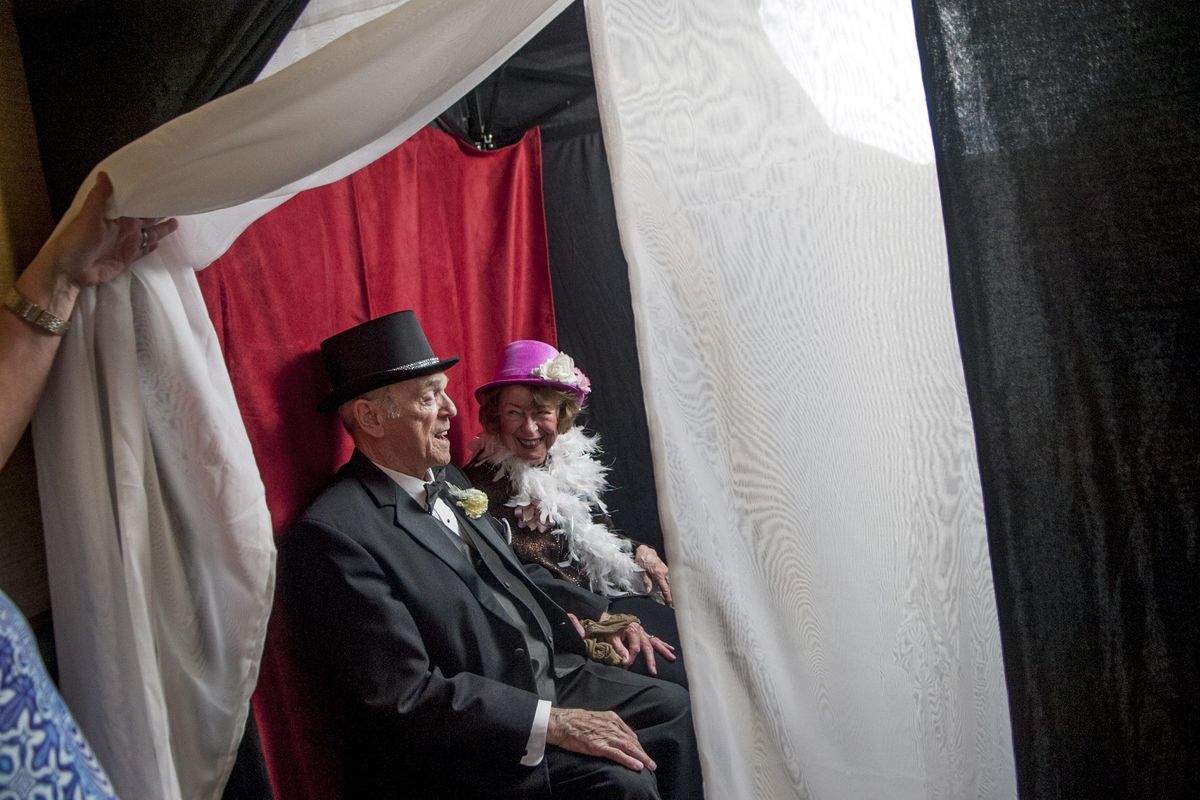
column 473, row 502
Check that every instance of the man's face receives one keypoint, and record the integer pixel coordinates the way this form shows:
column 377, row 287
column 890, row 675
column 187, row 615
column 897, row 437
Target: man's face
column 417, row 424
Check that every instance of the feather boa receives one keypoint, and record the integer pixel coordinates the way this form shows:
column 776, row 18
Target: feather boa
column 565, row 491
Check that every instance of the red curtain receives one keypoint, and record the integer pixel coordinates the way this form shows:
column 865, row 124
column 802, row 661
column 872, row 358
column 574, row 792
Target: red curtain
column 458, row 236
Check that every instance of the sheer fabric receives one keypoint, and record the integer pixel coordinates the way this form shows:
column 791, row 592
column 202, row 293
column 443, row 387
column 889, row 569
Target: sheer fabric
column 160, row 572
column 157, row 534
column 812, row 441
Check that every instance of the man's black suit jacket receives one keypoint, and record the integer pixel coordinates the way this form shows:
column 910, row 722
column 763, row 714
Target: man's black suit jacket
column 437, row 682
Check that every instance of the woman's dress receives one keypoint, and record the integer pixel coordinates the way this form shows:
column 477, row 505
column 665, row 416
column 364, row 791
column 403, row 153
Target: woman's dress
column 42, row 751
column 558, row 520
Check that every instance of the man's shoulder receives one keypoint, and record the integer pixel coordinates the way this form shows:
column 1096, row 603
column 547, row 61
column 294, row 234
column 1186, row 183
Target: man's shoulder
column 345, row 515
column 346, row 496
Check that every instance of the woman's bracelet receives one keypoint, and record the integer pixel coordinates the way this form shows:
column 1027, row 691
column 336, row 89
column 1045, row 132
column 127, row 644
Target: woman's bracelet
column 34, row 314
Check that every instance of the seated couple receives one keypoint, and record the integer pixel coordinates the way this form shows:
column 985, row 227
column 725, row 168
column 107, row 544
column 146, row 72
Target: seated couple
column 461, row 676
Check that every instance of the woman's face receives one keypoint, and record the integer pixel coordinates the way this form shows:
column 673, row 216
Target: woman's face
column 526, row 428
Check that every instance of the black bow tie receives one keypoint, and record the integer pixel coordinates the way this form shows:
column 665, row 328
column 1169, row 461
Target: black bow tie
column 433, row 491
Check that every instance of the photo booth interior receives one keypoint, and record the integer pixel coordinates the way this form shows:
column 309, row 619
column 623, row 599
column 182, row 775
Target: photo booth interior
column 1066, row 161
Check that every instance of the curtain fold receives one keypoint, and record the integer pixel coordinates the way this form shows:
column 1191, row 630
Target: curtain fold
column 548, row 84
column 1069, row 154
column 777, row 202
column 223, row 166
column 160, row 572
column 157, row 531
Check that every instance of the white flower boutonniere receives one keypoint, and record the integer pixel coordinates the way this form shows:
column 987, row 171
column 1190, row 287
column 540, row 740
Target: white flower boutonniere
column 473, row 502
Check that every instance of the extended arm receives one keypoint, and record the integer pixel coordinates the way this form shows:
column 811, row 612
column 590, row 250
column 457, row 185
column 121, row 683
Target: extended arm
column 88, row 250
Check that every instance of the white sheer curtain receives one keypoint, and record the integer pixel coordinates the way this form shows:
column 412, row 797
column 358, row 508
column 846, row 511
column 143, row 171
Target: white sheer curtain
column 778, row 206
column 157, row 533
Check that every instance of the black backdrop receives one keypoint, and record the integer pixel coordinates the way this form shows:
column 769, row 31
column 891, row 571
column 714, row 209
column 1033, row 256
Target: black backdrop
column 1067, row 143
column 1068, row 150
column 103, row 72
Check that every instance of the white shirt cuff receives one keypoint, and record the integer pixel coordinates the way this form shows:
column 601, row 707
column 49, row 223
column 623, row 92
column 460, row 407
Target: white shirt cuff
column 535, row 749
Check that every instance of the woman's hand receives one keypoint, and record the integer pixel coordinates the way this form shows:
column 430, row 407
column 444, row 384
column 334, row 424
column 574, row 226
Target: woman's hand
column 634, row 640
column 88, row 250
column 91, row 249
column 657, row 574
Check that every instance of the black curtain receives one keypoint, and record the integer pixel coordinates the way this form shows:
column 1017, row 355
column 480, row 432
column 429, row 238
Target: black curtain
column 1068, row 147
column 595, row 318
column 101, row 73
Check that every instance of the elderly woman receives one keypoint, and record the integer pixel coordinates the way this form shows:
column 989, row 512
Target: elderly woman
column 543, row 477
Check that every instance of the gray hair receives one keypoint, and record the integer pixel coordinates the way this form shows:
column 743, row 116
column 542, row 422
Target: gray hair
column 382, row 396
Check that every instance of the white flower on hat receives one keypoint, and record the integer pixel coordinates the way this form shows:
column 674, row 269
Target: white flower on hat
column 560, row 369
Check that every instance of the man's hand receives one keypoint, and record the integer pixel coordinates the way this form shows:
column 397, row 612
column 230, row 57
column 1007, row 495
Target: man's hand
column 657, row 574
column 634, row 640
column 597, row 733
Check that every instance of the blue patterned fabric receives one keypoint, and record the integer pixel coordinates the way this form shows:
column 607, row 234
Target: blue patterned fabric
column 43, row 755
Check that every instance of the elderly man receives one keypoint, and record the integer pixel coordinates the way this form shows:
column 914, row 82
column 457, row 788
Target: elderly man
column 462, row 678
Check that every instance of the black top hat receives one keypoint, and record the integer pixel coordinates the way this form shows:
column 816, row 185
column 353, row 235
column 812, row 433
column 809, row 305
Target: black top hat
column 381, row 351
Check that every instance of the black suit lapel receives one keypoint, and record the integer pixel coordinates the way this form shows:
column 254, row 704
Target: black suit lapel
column 502, row 562
column 430, row 533
column 410, row 519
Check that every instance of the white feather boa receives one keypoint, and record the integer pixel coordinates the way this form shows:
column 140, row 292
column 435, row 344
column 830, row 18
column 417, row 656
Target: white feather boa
column 566, row 490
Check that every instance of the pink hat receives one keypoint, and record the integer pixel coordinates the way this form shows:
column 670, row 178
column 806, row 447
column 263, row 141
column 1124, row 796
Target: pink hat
column 536, row 363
